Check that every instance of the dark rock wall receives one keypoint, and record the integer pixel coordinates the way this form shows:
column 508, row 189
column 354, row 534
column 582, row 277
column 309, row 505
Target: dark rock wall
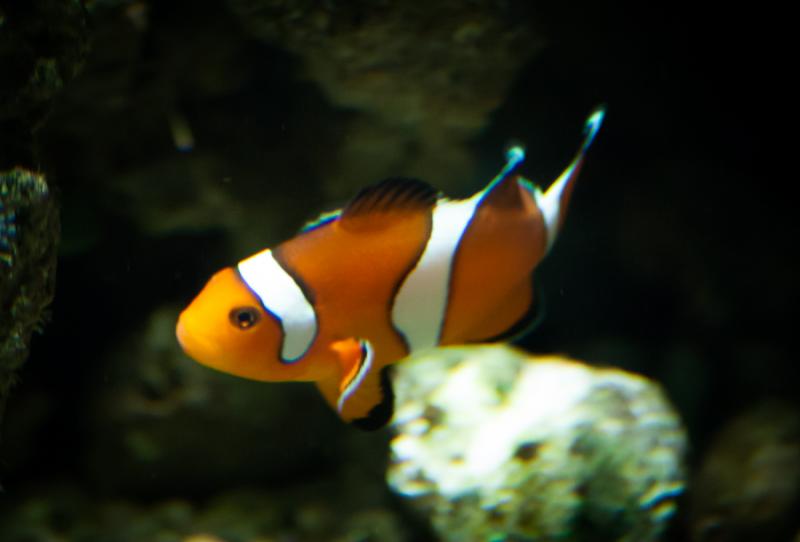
column 43, row 45
column 29, row 229
column 181, row 136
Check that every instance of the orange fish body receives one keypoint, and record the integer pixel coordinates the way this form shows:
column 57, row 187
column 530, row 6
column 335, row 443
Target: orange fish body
column 397, row 270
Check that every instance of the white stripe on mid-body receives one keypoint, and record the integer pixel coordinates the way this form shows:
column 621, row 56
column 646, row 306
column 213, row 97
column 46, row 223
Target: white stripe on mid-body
column 281, row 295
column 421, row 303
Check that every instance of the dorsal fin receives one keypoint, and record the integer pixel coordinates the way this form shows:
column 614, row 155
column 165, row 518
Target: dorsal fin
column 504, row 189
column 381, row 200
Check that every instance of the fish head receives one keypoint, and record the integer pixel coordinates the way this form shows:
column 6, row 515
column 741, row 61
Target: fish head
column 226, row 328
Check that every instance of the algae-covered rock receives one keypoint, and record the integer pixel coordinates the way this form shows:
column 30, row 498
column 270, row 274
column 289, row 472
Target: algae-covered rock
column 254, row 515
column 29, row 231
column 748, row 485
column 421, row 77
column 494, row 445
column 158, row 414
column 42, row 47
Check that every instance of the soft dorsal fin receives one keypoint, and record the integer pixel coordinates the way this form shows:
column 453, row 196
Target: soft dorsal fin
column 376, row 203
column 504, row 189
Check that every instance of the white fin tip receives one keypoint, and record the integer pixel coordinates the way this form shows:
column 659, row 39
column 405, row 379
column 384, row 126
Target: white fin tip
column 592, row 126
column 514, row 156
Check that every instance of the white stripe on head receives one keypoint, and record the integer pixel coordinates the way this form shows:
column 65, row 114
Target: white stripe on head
column 421, row 303
column 280, row 294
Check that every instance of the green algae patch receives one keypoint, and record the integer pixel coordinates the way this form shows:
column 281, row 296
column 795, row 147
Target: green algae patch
column 29, row 231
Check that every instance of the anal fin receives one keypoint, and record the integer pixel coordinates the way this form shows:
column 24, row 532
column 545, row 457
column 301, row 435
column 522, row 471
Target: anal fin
column 363, row 394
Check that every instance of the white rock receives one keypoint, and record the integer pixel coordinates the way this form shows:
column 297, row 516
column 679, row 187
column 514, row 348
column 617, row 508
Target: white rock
column 496, row 445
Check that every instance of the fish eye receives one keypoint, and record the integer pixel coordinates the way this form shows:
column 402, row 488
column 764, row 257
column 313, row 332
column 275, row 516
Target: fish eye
column 244, row 317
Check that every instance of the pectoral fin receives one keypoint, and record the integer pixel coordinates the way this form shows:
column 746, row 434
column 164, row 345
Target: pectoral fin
column 363, row 394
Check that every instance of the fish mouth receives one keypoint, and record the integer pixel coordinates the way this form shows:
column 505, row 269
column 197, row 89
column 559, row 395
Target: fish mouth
column 192, row 345
column 182, row 334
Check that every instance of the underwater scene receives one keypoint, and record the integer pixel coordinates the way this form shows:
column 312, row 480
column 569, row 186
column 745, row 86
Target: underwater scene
column 396, row 271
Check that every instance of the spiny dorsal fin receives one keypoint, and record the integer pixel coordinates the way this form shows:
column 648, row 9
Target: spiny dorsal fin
column 393, row 195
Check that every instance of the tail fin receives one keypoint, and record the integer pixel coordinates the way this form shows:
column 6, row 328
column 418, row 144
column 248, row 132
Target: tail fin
column 554, row 201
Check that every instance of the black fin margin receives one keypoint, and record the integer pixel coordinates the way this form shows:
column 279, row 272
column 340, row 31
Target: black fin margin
column 395, row 193
column 381, row 413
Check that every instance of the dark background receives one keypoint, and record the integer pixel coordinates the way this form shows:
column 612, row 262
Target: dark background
column 677, row 259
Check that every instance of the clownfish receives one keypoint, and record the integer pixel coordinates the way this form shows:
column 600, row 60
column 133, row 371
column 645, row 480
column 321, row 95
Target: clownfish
column 400, row 268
